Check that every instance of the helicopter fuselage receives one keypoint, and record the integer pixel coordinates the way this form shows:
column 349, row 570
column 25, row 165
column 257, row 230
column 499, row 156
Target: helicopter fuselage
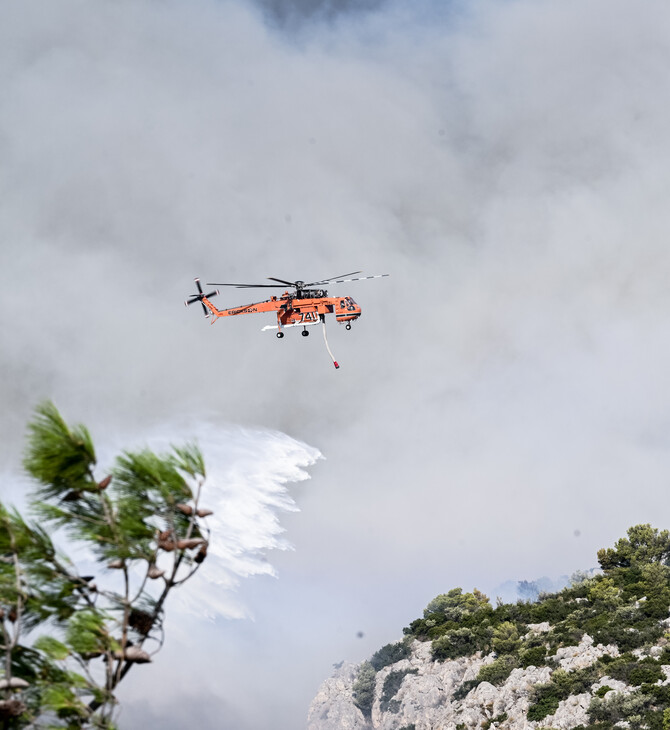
column 304, row 307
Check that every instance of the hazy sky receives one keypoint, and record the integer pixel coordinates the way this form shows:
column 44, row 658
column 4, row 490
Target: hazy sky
column 502, row 407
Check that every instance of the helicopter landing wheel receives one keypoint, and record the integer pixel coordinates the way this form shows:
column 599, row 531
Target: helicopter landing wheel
column 305, row 333
column 280, row 335
column 347, row 327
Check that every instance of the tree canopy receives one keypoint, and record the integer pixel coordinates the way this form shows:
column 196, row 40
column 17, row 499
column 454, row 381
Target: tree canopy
column 69, row 639
column 645, row 544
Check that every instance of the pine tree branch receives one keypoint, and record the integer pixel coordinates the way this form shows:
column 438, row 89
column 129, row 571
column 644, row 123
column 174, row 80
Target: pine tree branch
column 124, row 627
column 16, row 628
column 123, row 667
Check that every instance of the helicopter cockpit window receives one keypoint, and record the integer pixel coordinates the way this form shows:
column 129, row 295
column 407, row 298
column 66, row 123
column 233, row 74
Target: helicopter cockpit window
column 341, row 303
column 351, row 304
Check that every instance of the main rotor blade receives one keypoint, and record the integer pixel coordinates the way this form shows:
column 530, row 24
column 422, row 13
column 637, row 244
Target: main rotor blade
column 211, row 294
column 246, row 286
column 358, row 278
column 197, row 283
column 283, row 281
column 193, row 299
column 204, row 309
column 325, row 281
column 263, row 286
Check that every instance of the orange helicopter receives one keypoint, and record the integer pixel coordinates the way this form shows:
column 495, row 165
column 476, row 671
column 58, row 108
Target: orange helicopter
column 302, row 307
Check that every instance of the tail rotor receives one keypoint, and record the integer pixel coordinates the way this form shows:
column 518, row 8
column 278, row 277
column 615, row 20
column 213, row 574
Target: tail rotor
column 193, row 298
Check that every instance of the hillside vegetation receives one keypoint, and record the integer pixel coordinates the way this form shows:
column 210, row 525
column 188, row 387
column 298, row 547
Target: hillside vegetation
column 623, row 611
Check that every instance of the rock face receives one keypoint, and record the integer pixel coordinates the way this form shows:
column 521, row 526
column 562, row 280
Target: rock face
column 583, row 655
column 333, row 706
column 425, row 698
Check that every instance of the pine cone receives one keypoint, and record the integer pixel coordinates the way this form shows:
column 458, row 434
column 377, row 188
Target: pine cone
column 166, row 540
column 11, row 708
column 141, row 621
column 202, row 554
column 155, row 572
column 104, row 483
column 14, row 683
column 204, row 512
column 188, row 543
column 133, row 654
column 185, row 509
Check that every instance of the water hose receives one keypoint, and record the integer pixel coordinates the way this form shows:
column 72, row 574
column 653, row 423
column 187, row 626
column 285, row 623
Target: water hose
column 325, row 339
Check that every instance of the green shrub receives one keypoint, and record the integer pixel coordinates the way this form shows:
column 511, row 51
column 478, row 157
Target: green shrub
column 461, row 642
column 455, row 643
column 535, row 657
column 564, row 634
column 425, row 629
column 546, row 702
column 619, row 707
column 464, row 689
column 519, row 613
column 659, row 693
column 604, row 593
column 575, row 682
column 391, row 653
column 455, row 605
column 653, row 720
column 506, row 638
column 610, row 626
column 363, row 689
column 646, row 673
column 498, row 671
column 664, row 658
column 627, row 668
column 642, row 635
column 392, row 684
column 498, row 718
column 551, row 608
column 628, row 627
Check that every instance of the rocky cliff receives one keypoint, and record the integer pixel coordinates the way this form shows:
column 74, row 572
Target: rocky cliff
column 599, row 659
column 425, row 700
